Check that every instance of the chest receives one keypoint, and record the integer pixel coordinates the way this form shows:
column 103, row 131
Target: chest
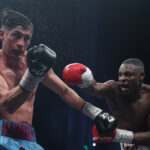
column 131, row 115
column 12, row 77
column 135, row 111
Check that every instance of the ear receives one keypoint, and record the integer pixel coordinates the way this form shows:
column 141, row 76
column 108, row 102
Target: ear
column 142, row 76
column 1, row 34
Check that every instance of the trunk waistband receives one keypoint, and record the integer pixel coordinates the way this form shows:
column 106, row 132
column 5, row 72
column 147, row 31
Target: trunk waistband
column 17, row 130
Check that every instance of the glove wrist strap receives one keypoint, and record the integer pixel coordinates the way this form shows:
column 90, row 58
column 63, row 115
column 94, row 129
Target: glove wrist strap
column 90, row 110
column 29, row 81
column 124, row 136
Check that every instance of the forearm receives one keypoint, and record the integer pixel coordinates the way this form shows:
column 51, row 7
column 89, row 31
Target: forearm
column 13, row 99
column 141, row 138
column 72, row 98
column 91, row 90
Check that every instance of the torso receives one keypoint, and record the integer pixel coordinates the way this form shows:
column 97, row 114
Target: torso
column 12, row 77
column 131, row 115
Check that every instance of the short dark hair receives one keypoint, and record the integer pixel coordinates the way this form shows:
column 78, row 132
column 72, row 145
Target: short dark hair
column 10, row 19
column 135, row 61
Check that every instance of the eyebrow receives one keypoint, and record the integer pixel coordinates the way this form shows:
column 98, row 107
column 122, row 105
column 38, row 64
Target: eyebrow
column 25, row 35
column 20, row 32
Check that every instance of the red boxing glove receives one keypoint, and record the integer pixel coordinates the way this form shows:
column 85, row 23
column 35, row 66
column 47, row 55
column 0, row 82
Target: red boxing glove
column 121, row 136
column 77, row 74
column 97, row 138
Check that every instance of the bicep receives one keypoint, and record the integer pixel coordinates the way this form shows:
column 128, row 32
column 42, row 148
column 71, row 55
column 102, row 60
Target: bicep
column 53, row 82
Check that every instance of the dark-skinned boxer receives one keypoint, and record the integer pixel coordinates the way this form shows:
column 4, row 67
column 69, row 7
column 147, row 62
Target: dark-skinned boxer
column 128, row 99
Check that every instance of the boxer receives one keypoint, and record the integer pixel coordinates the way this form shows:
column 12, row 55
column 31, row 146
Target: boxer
column 21, row 70
column 128, row 99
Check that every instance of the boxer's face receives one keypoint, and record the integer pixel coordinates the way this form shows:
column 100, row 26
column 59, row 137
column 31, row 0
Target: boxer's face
column 129, row 78
column 16, row 41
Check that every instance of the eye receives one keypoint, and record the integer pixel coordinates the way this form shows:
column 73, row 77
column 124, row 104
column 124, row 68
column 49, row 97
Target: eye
column 119, row 74
column 17, row 35
column 128, row 74
column 27, row 38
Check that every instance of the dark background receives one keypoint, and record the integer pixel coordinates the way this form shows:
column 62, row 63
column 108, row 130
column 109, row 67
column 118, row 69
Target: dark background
column 97, row 33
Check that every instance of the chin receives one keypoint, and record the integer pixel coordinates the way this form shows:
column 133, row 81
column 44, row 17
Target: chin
column 18, row 57
column 125, row 93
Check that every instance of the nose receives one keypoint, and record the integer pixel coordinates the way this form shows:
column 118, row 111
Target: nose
column 122, row 78
column 21, row 43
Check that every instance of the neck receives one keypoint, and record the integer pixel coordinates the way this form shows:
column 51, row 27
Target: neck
column 134, row 96
column 13, row 63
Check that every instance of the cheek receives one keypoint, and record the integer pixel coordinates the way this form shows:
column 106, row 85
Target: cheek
column 133, row 82
column 139, row 82
column 8, row 44
column 5, row 44
column 136, row 82
column 27, row 44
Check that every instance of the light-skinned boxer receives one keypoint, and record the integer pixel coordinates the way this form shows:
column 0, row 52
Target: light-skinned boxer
column 21, row 70
column 128, row 99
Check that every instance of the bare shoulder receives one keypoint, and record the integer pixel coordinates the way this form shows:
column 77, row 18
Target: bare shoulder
column 111, row 83
column 146, row 87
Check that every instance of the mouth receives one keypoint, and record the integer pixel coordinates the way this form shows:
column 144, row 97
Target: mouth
column 18, row 52
column 124, row 87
